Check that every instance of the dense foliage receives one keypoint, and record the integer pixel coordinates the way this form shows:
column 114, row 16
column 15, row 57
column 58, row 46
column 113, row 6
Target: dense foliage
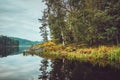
column 8, row 45
column 93, row 22
column 8, row 42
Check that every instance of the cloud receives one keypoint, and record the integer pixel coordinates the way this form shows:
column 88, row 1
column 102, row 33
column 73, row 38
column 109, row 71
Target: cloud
column 19, row 18
column 19, row 65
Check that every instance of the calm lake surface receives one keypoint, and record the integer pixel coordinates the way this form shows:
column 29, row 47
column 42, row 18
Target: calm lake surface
column 16, row 66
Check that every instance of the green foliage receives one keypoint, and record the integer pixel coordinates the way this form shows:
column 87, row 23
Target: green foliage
column 43, row 27
column 8, row 42
column 94, row 22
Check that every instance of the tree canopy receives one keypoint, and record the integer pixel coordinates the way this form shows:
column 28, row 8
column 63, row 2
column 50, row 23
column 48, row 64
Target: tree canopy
column 93, row 22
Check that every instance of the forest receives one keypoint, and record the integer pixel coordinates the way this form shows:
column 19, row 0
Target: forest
column 84, row 30
column 93, row 22
column 8, row 42
column 79, row 40
column 8, row 46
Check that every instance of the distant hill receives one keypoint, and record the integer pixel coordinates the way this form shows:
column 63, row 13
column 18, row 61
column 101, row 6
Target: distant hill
column 25, row 41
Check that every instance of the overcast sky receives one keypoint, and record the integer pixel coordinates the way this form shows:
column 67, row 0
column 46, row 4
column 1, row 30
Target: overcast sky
column 19, row 18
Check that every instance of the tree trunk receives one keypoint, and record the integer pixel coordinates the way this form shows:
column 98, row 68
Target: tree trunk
column 63, row 39
column 117, row 41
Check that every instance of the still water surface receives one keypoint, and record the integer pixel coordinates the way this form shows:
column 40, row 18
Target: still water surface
column 16, row 66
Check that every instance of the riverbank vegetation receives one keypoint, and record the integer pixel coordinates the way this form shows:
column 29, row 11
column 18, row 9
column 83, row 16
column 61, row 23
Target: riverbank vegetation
column 87, row 30
column 101, row 55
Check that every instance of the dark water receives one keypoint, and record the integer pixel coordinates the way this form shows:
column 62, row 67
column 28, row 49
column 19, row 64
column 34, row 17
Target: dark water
column 16, row 66
column 74, row 70
column 5, row 51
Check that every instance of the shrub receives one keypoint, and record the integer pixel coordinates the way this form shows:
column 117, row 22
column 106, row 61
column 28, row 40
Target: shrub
column 48, row 44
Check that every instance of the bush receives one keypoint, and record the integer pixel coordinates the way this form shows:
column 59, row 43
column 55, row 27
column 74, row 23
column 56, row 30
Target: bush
column 48, row 44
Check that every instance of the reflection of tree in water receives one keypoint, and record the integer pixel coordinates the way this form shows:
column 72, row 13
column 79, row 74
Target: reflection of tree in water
column 74, row 70
column 8, row 46
column 5, row 51
column 43, row 69
column 60, row 70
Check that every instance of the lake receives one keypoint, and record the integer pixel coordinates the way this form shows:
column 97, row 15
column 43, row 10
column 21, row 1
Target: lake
column 16, row 66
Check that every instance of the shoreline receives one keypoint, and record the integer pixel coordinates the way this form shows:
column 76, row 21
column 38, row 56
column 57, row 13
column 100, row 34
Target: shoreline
column 102, row 55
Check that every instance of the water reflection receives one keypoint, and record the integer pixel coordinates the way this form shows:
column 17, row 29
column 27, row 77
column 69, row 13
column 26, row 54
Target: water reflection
column 5, row 51
column 74, row 70
column 43, row 69
column 10, row 50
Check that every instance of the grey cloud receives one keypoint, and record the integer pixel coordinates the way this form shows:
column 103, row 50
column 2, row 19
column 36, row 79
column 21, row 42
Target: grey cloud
column 19, row 18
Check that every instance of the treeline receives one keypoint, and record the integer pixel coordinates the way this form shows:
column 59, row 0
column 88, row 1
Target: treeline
column 8, row 46
column 93, row 22
column 25, row 41
column 8, row 42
